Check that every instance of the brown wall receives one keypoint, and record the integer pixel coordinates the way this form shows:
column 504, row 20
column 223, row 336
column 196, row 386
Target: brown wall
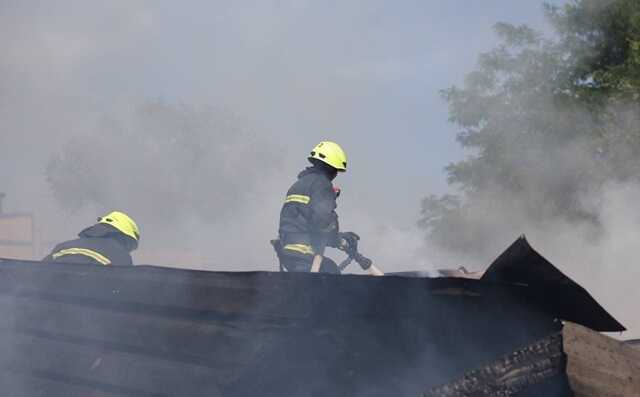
column 17, row 236
column 599, row 366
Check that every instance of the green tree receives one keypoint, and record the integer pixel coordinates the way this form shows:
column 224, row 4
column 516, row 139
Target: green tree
column 546, row 123
column 601, row 39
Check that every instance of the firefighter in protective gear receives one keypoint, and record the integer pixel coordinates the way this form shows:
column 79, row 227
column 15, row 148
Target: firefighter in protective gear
column 108, row 242
column 308, row 220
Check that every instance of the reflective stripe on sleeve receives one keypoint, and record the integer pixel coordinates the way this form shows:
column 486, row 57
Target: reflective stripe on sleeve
column 301, row 248
column 83, row 251
column 297, row 198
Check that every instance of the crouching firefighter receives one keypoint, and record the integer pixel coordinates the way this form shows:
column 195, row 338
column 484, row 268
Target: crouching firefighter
column 108, row 242
column 308, row 220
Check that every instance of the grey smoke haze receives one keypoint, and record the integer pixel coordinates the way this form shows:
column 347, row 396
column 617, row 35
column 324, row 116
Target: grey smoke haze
column 288, row 73
column 293, row 72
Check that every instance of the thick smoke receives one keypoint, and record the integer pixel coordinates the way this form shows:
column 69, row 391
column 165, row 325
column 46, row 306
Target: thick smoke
column 261, row 84
column 180, row 170
column 82, row 132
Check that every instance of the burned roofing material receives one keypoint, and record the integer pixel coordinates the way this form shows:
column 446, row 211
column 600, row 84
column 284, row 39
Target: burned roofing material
column 541, row 362
column 556, row 293
column 77, row 330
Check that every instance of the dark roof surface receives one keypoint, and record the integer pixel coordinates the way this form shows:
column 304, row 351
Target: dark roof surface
column 78, row 330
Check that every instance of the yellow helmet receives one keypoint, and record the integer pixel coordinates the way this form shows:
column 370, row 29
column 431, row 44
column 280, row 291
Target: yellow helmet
column 122, row 222
column 330, row 153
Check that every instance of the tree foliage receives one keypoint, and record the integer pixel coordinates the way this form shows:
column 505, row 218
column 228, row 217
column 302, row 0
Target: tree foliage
column 601, row 39
column 545, row 122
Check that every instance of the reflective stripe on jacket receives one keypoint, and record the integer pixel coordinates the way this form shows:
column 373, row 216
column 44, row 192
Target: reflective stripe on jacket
column 98, row 257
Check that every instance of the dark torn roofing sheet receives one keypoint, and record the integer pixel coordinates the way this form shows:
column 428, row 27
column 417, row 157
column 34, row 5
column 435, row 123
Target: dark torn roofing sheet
column 551, row 290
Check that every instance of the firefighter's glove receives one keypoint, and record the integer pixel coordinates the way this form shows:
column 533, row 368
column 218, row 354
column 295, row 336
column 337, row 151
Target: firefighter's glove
column 348, row 242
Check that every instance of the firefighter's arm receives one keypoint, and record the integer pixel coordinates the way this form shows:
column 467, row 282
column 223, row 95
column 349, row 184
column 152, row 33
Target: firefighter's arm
column 323, row 215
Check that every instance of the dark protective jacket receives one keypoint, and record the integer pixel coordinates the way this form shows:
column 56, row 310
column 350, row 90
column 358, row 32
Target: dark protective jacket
column 308, row 220
column 99, row 244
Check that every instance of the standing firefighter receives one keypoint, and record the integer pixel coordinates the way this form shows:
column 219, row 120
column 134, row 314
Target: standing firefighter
column 308, row 221
column 108, row 242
